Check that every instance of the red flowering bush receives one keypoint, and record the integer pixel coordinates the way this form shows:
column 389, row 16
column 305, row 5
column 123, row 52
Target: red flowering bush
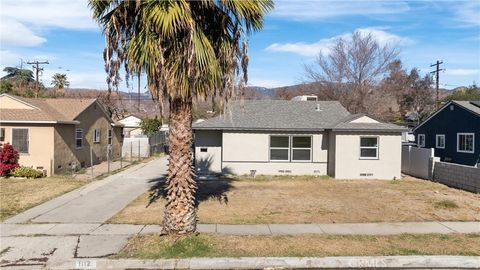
column 8, row 160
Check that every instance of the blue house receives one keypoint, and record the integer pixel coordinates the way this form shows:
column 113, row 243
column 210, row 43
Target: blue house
column 454, row 132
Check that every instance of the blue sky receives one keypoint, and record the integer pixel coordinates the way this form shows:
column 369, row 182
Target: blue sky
column 295, row 32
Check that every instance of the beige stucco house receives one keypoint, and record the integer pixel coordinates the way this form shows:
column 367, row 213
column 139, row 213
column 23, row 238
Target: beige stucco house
column 277, row 137
column 56, row 135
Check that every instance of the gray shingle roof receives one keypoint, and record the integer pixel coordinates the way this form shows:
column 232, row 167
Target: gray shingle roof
column 469, row 105
column 288, row 115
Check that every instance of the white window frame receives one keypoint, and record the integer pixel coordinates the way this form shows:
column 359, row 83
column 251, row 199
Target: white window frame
column 418, row 140
column 377, row 148
column 78, row 130
column 284, row 148
column 109, row 136
column 96, row 135
column 301, row 148
column 2, row 132
column 28, row 140
column 436, row 141
column 473, row 142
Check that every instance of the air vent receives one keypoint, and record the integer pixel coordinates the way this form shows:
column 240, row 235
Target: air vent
column 366, row 174
column 317, row 108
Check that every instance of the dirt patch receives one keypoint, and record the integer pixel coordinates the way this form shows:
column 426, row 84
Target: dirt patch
column 317, row 200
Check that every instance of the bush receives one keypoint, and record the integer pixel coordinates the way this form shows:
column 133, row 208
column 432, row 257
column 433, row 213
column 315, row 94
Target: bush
column 27, row 172
column 8, row 160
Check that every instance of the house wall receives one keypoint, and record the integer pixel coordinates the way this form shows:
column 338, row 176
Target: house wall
column 348, row 164
column 40, row 148
column 211, row 160
column 450, row 122
column 246, row 151
column 7, row 102
column 66, row 154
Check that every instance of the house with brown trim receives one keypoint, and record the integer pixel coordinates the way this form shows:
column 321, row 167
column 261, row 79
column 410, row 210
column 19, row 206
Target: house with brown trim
column 56, row 134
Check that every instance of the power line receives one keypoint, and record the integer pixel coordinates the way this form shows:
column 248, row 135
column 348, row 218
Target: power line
column 437, row 75
column 37, row 70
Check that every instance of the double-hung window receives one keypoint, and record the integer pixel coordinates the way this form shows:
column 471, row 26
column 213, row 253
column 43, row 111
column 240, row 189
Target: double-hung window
column 301, row 148
column 20, row 140
column 440, row 141
column 109, row 137
column 368, row 147
column 279, row 148
column 96, row 135
column 421, row 140
column 78, row 138
column 466, row 142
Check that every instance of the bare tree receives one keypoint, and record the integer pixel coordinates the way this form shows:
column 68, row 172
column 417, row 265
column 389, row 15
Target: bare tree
column 351, row 69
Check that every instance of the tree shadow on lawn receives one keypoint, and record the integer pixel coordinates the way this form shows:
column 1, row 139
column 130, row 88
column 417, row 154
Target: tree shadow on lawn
column 215, row 187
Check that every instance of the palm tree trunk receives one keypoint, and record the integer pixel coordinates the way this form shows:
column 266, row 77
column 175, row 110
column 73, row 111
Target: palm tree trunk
column 180, row 213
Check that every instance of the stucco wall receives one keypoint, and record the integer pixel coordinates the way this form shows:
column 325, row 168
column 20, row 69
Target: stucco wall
column 211, row 160
column 67, row 155
column 10, row 103
column 40, row 147
column 348, row 164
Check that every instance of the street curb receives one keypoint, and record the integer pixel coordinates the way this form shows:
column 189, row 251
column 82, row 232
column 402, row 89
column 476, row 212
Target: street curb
column 379, row 262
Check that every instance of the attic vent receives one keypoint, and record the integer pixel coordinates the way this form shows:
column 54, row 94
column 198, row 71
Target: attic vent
column 317, row 107
column 452, row 107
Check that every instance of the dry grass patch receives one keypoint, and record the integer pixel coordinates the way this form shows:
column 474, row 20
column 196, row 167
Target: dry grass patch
column 316, row 200
column 208, row 245
column 17, row 195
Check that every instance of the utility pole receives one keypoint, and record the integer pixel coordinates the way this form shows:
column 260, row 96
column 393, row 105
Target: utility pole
column 437, row 72
column 37, row 70
column 138, row 91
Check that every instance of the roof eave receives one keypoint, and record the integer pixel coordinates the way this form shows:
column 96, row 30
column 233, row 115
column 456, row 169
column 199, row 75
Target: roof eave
column 39, row 122
column 258, row 129
column 370, row 129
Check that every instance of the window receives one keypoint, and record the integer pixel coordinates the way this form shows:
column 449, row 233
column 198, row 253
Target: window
column 20, row 139
column 96, row 135
column 368, row 147
column 2, row 134
column 280, row 148
column 465, row 142
column 301, row 148
column 78, row 138
column 203, row 149
column 109, row 136
column 440, row 141
column 421, row 140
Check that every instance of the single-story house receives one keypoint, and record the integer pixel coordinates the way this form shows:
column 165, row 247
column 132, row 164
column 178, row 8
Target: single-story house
column 58, row 134
column 131, row 125
column 454, row 132
column 274, row 137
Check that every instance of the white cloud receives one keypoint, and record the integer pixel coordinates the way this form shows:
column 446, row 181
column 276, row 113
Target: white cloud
column 78, row 79
column 315, row 10
column 461, row 72
column 23, row 21
column 323, row 45
column 468, row 13
column 265, row 83
column 14, row 33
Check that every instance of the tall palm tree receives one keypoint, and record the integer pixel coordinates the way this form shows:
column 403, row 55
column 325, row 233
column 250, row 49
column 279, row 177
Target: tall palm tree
column 60, row 81
column 188, row 50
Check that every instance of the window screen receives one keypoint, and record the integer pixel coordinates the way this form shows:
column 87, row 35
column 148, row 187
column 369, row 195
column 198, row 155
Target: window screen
column 20, row 139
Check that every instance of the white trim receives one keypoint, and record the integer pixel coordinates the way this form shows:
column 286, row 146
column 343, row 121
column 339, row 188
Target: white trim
column 301, row 148
column 369, row 147
column 4, row 134
column 39, row 122
column 28, row 139
column 418, row 140
column 473, row 142
column 436, row 141
column 110, row 136
column 76, row 130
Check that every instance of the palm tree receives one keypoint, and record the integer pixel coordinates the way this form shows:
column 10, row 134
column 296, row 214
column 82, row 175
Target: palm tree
column 60, row 81
column 188, row 50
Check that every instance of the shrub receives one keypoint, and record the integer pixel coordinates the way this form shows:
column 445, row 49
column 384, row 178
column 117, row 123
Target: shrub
column 27, row 172
column 8, row 160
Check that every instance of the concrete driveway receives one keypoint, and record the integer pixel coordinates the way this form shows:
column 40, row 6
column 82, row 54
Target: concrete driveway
column 98, row 201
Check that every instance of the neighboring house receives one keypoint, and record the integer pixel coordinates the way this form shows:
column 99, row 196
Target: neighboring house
column 131, row 126
column 454, row 132
column 58, row 134
column 300, row 138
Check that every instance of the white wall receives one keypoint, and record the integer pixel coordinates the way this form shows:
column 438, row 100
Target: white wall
column 131, row 147
column 210, row 161
column 415, row 161
column 348, row 164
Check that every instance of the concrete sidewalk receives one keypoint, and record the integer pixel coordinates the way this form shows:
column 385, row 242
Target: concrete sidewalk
column 98, row 201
